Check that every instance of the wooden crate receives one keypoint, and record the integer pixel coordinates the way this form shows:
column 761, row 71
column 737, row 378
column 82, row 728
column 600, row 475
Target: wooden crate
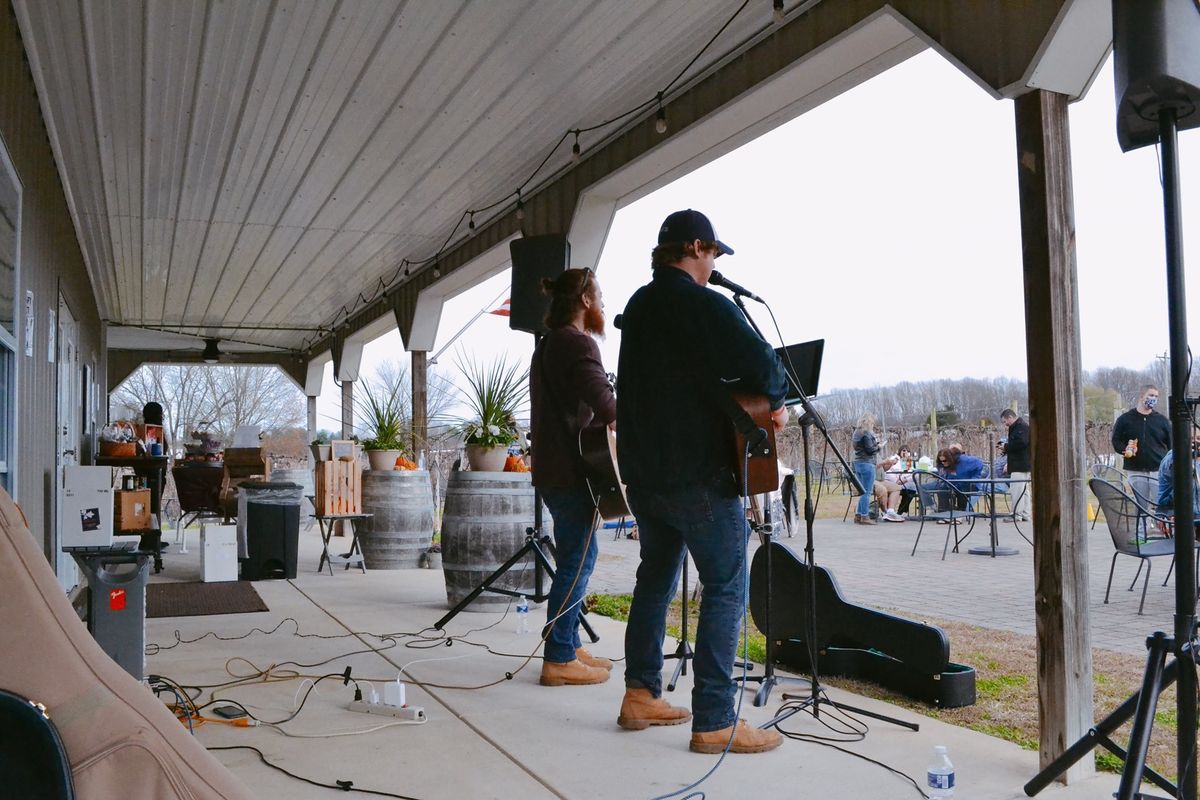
column 338, row 488
column 132, row 510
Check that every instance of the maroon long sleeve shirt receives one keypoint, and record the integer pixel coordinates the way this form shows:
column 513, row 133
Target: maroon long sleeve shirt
column 568, row 390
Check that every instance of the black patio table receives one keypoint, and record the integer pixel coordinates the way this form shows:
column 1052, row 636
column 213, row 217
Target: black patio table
column 994, row 548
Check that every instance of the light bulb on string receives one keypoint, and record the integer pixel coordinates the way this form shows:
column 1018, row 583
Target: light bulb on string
column 437, row 272
column 576, row 153
column 660, row 118
column 777, row 12
column 520, row 207
column 471, row 221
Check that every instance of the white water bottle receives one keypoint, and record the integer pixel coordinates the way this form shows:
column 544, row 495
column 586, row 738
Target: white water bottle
column 940, row 774
column 522, row 615
column 421, row 460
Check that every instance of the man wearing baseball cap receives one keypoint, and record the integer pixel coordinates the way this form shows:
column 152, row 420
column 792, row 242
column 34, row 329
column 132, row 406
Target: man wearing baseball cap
column 681, row 344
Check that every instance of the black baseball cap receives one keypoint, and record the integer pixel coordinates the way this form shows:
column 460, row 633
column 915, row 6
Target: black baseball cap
column 688, row 226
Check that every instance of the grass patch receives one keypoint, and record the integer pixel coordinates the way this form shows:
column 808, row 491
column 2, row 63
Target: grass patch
column 990, row 688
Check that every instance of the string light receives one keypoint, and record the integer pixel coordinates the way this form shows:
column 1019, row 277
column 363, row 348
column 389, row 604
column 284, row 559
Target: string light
column 660, row 119
column 471, row 221
column 777, row 14
column 576, row 154
column 437, row 272
column 520, row 207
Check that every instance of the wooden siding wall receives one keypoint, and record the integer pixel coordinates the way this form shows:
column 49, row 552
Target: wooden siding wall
column 50, row 262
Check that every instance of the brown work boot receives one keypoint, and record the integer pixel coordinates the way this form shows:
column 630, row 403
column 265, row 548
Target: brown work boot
column 640, row 709
column 572, row 673
column 592, row 661
column 746, row 740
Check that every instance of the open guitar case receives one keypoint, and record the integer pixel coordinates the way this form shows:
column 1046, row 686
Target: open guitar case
column 852, row 641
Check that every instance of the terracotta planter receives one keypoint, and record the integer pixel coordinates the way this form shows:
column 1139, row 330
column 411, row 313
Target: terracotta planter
column 383, row 459
column 486, row 459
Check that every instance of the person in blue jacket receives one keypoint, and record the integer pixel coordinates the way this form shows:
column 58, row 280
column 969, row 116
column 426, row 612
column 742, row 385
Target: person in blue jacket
column 959, row 468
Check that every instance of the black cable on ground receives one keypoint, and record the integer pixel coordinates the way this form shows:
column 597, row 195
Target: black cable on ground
column 343, row 785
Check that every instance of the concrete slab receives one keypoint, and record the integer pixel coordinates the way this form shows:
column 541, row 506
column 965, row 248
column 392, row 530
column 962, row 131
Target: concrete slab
column 514, row 738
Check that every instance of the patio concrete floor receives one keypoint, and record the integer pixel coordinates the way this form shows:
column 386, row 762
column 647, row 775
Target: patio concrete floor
column 517, row 739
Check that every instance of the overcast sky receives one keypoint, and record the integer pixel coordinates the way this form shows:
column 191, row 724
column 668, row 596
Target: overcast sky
column 886, row 222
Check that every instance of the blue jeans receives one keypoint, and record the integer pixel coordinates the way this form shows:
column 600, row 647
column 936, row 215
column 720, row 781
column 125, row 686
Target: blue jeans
column 576, row 548
column 713, row 528
column 866, row 476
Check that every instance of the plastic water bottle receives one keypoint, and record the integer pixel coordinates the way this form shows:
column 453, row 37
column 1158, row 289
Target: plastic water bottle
column 523, row 616
column 421, row 460
column 940, row 774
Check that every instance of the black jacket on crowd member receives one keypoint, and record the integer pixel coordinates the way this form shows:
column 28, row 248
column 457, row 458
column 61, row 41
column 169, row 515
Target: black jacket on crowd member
column 1153, row 432
column 676, row 336
column 568, row 390
column 1017, row 447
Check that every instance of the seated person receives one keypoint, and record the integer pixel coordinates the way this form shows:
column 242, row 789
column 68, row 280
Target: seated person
column 901, row 473
column 1166, row 482
column 958, row 468
column 887, row 491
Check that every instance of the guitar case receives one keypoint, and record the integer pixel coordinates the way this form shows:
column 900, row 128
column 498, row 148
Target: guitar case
column 120, row 740
column 853, row 641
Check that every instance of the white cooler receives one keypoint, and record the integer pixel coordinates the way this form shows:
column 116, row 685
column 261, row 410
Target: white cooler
column 218, row 553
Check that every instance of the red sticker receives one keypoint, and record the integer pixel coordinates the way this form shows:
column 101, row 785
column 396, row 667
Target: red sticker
column 116, row 600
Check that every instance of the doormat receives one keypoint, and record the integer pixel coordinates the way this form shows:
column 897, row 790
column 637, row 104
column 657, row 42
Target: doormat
column 202, row 599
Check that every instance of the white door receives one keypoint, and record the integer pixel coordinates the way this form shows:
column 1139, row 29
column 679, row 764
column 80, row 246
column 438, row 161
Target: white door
column 69, row 417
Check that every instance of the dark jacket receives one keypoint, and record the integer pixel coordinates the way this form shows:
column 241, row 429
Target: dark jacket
column 968, row 466
column 1017, row 447
column 676, row 337
column 1153, row 432
column 568, row 390
column 866, row 447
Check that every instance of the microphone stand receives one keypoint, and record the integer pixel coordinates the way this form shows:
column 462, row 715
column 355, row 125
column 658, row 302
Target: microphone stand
column 810, row 418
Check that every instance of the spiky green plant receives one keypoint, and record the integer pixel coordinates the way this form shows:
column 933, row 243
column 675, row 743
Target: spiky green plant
column 382, row 410
column 494, row 392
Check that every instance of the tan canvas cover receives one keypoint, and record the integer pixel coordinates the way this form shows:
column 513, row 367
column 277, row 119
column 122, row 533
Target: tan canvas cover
column 121, row 741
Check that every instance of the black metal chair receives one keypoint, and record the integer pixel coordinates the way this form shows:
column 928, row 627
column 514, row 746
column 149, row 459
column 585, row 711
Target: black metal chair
column 33, row 760
column 939, row 502
column 1112, row 475
column 1127, row 520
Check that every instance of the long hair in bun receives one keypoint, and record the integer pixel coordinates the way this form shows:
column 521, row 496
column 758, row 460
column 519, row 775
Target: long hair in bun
column 566, row 293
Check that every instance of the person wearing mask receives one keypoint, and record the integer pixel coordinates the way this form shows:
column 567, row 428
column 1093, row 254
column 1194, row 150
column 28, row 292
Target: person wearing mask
column 1143, row 437
column 1016, row 449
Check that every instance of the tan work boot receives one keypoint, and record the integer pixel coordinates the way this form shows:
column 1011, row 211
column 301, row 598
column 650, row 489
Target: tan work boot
column 592, row 661
column 572, row 673
column 640, row 709
column 746, row 740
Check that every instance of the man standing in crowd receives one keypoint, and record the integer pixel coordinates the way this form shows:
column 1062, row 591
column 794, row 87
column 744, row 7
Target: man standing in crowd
column 568, row 391
column 1143, row 437
column 682, row 345
column 1016, row 447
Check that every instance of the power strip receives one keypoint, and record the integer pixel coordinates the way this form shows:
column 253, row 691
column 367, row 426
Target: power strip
column 411, row 713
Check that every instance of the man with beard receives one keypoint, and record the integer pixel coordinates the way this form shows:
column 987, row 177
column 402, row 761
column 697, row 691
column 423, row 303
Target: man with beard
column 569, row 390
column 682, row 344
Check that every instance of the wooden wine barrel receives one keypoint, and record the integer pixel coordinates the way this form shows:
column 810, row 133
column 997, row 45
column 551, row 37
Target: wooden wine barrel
column 401, row 528
column 483, row 525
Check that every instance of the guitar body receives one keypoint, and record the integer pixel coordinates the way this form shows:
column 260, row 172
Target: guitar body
column 598, row 448
column 763, row 473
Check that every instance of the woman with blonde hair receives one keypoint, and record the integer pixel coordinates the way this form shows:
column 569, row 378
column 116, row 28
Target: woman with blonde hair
column 866, row 454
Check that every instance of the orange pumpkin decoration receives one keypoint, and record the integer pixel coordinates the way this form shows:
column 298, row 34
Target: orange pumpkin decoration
column 405, row 464
column 515, row 464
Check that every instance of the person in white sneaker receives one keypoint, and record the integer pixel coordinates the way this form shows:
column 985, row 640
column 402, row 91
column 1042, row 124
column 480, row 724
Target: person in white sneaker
column 887, row 490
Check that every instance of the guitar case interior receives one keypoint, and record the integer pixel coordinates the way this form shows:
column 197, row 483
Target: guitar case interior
column 120, row 741
column 853, row 641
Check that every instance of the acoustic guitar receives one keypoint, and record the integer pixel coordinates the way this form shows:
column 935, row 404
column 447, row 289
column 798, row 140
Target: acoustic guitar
column 762, row 476
column 598, row 448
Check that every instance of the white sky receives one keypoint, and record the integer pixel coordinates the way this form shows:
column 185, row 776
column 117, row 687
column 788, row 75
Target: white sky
column 886, row 222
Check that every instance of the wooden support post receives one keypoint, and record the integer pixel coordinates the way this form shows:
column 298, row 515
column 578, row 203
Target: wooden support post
column 312, row 417
column 347, row 409
column 420, row 401
column 1060, row 553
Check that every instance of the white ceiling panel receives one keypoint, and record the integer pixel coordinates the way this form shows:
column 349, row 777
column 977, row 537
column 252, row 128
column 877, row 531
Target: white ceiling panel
column 234, row 162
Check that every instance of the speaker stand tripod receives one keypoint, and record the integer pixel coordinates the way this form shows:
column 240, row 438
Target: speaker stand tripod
column 536, row 545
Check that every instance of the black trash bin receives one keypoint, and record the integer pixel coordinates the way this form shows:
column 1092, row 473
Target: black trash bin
column 117, row 605
column 269, row 524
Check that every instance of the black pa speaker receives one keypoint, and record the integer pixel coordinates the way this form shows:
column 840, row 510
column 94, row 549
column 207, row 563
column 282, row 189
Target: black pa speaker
column 534, row 258
column 1156, row 65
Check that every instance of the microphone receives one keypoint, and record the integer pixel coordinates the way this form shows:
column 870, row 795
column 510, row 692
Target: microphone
column 717, row 279
column 617, row 320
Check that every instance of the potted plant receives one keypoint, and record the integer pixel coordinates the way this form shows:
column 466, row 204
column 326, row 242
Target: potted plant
column 321, row 446
column 433, row 556
column 382, row 410
column 494, row 392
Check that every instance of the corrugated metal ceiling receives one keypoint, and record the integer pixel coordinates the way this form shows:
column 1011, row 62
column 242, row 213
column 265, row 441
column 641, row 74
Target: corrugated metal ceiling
column 260, row 163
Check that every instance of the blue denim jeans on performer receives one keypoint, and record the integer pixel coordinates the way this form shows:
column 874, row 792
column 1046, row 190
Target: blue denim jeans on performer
column 576, row 548
column 865, row 472
column 713, row 528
